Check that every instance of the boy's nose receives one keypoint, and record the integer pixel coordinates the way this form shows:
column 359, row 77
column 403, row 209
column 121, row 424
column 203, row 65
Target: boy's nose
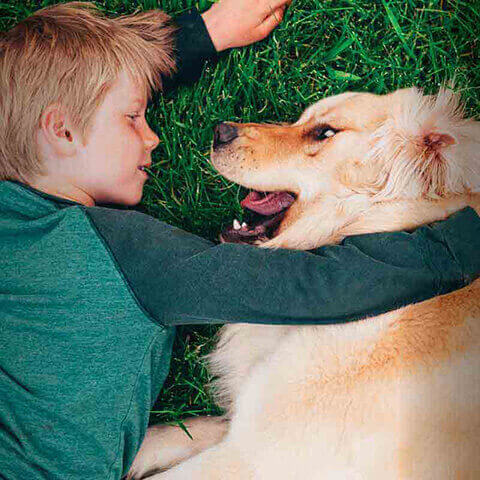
column 152, row 141
column 224, row 133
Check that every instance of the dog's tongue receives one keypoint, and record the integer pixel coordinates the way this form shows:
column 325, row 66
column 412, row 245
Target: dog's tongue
column 268, row 204
column 269, row 208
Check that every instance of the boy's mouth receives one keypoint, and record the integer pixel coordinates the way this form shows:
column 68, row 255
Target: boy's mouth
column 268, row 210
column 144, row 168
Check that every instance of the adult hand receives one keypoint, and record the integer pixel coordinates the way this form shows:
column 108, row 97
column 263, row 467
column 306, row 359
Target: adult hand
column 236, row 23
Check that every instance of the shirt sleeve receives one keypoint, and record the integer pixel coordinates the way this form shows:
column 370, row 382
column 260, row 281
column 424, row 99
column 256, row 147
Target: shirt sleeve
column 180, row 278
column 193, row 47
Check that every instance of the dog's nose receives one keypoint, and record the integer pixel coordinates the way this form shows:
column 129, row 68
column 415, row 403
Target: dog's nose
column 224, row 133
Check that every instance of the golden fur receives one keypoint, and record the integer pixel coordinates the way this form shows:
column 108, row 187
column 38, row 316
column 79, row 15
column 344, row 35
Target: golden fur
column 393, row 397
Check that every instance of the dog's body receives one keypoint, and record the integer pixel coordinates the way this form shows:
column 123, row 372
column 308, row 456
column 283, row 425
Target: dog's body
column 393, row 397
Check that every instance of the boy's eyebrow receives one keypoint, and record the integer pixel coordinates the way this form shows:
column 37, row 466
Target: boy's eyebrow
column 139, row 100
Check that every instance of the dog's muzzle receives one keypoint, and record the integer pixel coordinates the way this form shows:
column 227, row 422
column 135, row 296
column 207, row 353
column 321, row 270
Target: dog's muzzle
column 223, row 134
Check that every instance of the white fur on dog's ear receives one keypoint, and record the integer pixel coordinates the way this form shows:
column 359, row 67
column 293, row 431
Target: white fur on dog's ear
column 425, row 148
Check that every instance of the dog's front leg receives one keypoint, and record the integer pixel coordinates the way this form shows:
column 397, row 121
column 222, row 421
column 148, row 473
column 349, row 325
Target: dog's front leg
column 165, row 445
column 221, row 462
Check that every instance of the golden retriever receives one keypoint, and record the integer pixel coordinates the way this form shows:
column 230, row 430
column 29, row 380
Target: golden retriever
column 392, row 397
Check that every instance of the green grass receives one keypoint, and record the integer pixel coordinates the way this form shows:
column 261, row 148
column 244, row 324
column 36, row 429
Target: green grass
column 322, row 48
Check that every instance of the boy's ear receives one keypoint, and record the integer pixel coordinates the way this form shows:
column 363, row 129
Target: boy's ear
column 56, row 131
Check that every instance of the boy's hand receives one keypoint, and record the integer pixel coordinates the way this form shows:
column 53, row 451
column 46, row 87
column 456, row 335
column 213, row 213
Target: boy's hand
column 236, row 23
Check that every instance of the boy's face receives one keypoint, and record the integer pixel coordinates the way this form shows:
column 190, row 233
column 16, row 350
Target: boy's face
column 120, row 143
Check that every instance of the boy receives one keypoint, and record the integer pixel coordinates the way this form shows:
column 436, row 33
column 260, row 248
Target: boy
column 90, row 295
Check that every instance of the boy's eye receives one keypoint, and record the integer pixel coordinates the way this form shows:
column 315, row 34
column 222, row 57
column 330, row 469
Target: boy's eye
column 133, row 117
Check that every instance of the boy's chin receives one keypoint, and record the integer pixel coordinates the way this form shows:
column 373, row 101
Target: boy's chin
column 127, row 199
column 131, row 202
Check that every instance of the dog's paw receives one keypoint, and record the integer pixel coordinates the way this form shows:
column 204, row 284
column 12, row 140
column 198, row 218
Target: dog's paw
column 166, row 445
column 159, row 450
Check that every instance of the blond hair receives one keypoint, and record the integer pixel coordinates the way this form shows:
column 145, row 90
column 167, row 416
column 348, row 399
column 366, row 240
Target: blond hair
column 71, row 54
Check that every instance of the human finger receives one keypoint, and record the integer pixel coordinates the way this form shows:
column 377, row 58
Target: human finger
column 276, row 4
column 271, row 22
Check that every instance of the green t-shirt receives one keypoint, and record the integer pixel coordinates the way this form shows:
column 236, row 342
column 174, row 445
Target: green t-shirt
column 89, row 298
column 81, row 362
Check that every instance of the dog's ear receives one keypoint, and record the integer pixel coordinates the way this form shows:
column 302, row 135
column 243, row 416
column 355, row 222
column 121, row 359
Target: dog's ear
column 435, row 141
column 425, row 148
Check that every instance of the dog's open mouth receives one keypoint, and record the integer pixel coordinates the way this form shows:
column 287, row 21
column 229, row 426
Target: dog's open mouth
column 265, row 213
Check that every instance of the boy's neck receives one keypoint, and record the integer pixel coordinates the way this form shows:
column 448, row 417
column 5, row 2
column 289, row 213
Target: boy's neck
column 64, row 190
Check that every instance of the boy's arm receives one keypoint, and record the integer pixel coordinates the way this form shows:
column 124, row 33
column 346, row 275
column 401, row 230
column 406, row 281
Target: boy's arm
column 179, row 278
column 193, row 47
column 227, row 24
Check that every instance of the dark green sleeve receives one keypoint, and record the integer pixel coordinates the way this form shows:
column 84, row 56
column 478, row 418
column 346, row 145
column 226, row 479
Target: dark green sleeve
column 180, row 278
column 193, row 47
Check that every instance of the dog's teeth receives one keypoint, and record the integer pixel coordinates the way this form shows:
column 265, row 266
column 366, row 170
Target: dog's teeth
column 244, row 225
column 236, row 225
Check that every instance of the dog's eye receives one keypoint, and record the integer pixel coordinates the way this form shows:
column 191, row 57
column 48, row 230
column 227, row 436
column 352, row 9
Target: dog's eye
column 323, row 132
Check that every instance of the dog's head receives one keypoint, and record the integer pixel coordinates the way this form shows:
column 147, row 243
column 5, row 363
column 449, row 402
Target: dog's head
column 345, row 155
